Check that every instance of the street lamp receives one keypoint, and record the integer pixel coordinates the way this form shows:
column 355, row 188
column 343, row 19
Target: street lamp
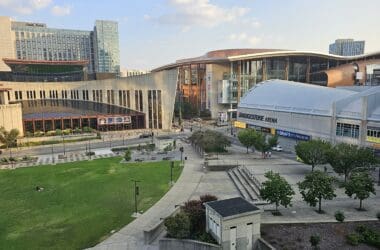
column 136, row 190
column 171, row 172
column 52, row 154
column 63, row 142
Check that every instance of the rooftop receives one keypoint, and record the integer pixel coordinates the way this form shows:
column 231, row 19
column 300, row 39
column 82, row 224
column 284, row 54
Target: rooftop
column 233, row 206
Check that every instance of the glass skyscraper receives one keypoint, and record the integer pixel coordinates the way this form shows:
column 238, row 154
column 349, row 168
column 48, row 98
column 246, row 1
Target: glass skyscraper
column 347, row 47
column 107, row 46
column 35, row 41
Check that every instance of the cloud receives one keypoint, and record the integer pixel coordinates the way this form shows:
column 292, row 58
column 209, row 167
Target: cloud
column 199, row 13
column 25, row 7
column 244, row 38
column 61, row 10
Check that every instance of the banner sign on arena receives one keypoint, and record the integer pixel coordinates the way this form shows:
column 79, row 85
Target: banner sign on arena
column 112, row 120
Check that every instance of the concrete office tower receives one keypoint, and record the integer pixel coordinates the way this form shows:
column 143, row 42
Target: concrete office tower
column 106, row 38
column 347, row 47
column 6, row 42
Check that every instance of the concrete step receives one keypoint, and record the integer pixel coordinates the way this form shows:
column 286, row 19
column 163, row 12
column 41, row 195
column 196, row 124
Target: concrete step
column 237, row 184
column 252, row 188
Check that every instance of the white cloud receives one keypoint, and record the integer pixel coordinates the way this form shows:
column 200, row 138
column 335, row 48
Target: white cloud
column 147, row 17
column 61, row 10
column 25, row 7
column 246, row 39
column 200, row 12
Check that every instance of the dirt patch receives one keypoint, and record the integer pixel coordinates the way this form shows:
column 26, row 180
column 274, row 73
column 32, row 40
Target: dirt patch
column 296, row 236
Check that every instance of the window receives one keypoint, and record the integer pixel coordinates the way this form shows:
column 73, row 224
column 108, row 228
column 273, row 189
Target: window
column 373, row 132
column 347, row 130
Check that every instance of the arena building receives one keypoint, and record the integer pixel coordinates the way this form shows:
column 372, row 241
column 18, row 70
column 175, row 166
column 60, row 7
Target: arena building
column 303, row 111
column 214, row 83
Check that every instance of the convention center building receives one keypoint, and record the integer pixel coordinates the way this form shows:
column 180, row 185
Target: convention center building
column 303, row 111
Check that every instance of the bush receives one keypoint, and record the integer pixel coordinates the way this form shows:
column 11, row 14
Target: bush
column 378, row 215
column 168, row 148
column 12, row 159
column 66, row 131
column 127, row 155
column 77, row 131
column 38, row 133
column 368, row 236
column 50, row 133
column 353, row 239
column 58, row 131
column 87, row 130
column 314, row 240
column 90, row 153
column 339, row 216
column 178, row 226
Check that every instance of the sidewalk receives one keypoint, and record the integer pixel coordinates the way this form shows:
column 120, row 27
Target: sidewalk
column 131, row 236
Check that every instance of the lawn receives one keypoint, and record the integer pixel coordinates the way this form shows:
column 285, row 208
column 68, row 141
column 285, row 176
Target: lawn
column 81, row 203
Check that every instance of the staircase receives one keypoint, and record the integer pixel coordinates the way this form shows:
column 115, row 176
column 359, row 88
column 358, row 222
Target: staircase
column 247, row 185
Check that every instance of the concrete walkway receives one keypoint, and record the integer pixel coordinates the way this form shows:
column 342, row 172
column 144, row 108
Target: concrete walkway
column 131, row 236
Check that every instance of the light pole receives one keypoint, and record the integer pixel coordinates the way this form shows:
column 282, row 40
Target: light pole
column 64, row 146
column 89, row 149
column 171, row 172
column 136, row 193
column 52, row 154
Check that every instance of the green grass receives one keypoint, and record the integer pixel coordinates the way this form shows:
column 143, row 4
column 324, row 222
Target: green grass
column 80, row 204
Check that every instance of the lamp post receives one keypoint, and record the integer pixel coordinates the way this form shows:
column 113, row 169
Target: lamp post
column 89, row 149
column 136, row 190
column 64, row 146
column 52, row 154
column 171, row 172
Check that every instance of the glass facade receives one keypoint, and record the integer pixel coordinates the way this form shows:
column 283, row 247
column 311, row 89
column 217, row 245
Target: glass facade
column 107, row 47
column 347, row 47
column 35, row 41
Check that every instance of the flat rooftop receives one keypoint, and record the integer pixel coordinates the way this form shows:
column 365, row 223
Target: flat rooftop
column 233, row 206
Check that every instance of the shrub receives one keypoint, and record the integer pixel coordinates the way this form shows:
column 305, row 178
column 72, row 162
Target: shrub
column 38, row 133
column 87, row 130
column 168, row 148
column 127, row 155
column 368, row 236
column 339, row 216
column 353, row 239
column 77, row 131
column 58, row 131
column 12, row 159
column 314, row 240
column 378, row 215
column 178, row 226
column 51, row 133
column 90, row 153
column 98, row 135
column 66, row 131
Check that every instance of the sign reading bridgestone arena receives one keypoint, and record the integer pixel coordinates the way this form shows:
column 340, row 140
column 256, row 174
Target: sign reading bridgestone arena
column 258, row 117
column 111, row 120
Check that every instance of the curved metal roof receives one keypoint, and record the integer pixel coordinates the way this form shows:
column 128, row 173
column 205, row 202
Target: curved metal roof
column 287, row 96
column 242, row 54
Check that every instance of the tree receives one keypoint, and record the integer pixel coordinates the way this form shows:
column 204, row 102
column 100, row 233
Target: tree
column 345, row 158
column 8, row 138
column 317, row 186
column 262, row 144
column 361, row 186
column 313, row 152
column 315, row 240
column 210, row 141
column 178, row 226
column 127, row 155
column 276, row 190
column 247, row 137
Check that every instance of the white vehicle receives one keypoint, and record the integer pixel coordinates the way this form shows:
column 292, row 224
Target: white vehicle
column 277, row 148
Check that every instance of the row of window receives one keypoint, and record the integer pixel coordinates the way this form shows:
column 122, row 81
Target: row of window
column 373, row 132
column 347, row 130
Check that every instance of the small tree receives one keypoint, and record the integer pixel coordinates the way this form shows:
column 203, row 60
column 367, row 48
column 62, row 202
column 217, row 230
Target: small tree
column 313, row 152
column 262, row 144
column 127, row 155
column 210, row 141
column 276, row 190
column 361, row 186
column 317, row 186
column 174, row 143
column 178, row 226
column 314, row 241
column 8, row 138
column 345, row 158
column 247, row 137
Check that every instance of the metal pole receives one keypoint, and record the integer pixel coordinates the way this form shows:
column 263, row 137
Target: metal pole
column 135, row 198
column 171, row 172
column 52, row 154
column 89, row 148
column 64, row 146
column 123, row 141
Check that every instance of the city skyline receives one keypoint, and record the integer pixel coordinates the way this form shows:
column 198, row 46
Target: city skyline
column 154, row 33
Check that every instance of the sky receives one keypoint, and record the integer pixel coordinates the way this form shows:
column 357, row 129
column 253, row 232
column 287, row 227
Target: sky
column 157, row 32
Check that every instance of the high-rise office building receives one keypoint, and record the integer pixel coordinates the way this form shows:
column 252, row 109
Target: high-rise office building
column 36, row 42
column 347, row 47
column 106, row 41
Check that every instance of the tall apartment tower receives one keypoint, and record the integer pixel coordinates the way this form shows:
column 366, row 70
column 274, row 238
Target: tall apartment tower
column 106, row 45
column 35, row 41
column 347, row 47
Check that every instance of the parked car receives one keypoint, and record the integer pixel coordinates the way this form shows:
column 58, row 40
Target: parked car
column 277, row 148
column 145, row 135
